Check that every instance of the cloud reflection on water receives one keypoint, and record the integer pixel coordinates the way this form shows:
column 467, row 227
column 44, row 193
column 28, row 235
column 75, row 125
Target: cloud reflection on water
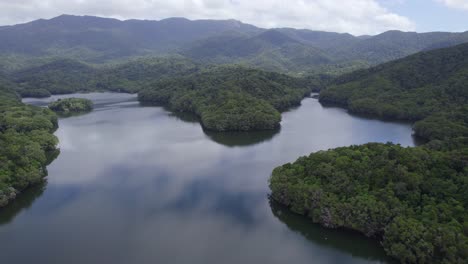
column 136, row 185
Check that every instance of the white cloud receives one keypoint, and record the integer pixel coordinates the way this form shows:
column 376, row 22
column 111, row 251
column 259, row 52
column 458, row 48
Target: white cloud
column 459, row 4
column 357, row 16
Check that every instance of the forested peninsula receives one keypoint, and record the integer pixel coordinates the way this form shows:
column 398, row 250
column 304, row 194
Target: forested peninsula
column 414, row 200
column 429, row 88
column 27, row 143
column 226, row 98
column 230, row 98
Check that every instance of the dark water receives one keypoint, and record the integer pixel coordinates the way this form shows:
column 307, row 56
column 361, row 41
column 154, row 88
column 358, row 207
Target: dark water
column 141, row 185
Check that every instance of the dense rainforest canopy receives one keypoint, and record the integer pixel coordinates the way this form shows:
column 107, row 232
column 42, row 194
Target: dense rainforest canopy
column 26, row 143
column 71, row 106
column 414, row 199
column 224, row 97
column 64, row 76
column 230, row 98
column 429, row 87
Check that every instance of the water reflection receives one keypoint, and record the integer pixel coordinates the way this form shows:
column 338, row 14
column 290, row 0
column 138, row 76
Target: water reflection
column 348, row 241
column 101, row 100
column 138, row 184
column 22, row 202
column 229, row 139
column 184, row 116
column 239, row 139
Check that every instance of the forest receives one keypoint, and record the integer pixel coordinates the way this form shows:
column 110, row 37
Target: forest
column 226, row 98
column 27, row 143
column 65, row 76
column 70, row 106
column 413, row 200
column 98, row 40
column 230, row 98
column 429, row 88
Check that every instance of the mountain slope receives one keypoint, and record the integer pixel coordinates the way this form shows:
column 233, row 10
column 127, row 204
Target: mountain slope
column 68, row 76
column 100, row 40
column 57, row 77
column 395, row 44
column 270, row 50
column 412, row 200
column 428, row 86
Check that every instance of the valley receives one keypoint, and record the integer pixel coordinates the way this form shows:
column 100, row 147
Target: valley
column 283, row 144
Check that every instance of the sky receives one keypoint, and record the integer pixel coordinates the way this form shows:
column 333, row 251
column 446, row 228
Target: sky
column 358, row 17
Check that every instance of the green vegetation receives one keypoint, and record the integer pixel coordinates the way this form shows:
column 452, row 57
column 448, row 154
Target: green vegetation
column 230, row 98
column 98, row 40
column 131, row 76
column 412, row 199
column 429, row 86
column 225, row 97
column 70, row 106
column 60, row 76
column 27, row 144
column 271, row 50
column 64, row 76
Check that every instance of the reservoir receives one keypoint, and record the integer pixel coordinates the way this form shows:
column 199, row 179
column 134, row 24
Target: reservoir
column 140, row 184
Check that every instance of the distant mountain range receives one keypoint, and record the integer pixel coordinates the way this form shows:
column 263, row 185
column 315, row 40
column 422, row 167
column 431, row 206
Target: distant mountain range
column 100, row 40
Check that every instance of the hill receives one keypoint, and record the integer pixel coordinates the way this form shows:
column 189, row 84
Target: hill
column 63, row 76
column 411, row 199
column 229, row 98
column 56, row 77
column 429, row 87
column 224, row 97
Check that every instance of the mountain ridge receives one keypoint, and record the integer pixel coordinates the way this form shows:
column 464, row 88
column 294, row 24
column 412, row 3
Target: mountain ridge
column 100, row 40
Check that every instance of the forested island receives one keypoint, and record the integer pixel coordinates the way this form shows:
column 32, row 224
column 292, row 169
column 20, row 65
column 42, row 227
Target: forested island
column 27, row 143
column 412, row 199
column 70, row 106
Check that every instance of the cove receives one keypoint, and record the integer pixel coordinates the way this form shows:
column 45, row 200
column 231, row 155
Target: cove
column 139, row 184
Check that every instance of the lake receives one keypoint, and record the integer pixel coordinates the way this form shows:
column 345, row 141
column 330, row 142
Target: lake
column 139, row 184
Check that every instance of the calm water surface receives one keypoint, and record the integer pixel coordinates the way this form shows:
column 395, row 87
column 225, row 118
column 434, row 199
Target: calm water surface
column 138, row 184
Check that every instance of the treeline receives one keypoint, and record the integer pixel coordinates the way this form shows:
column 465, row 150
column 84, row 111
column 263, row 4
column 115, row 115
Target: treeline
column 412, row 199
column 27, row 143
column 231, row 97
